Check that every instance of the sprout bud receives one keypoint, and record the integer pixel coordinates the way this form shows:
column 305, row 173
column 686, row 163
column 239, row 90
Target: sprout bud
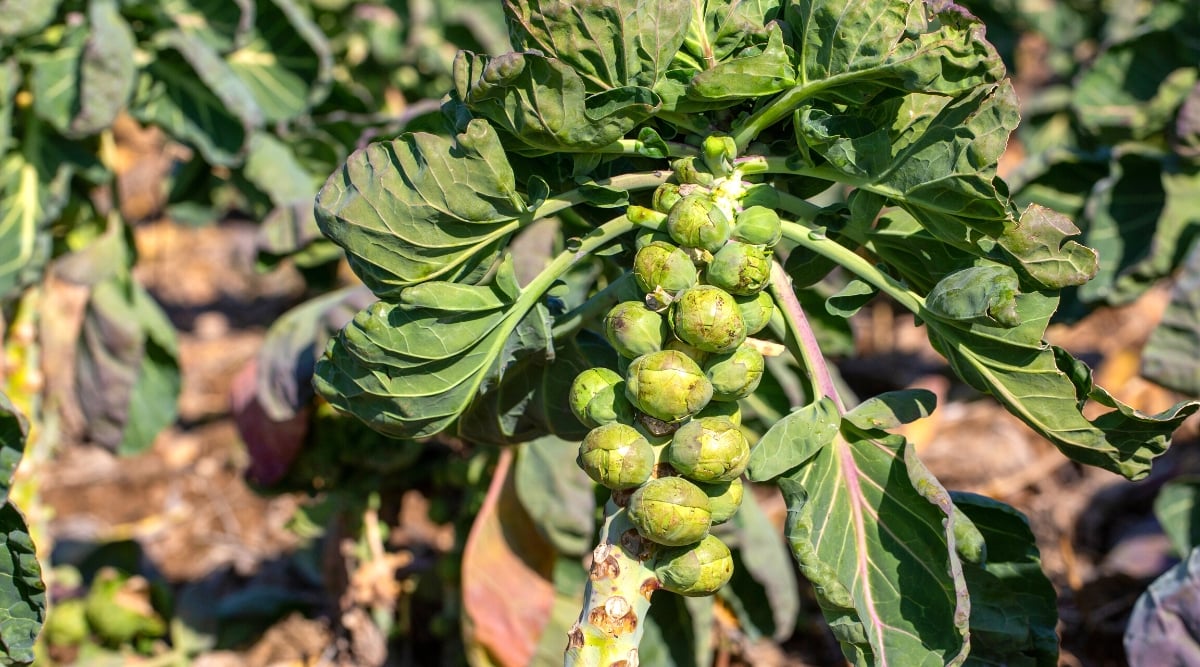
column 740, row 268
column 711, row 449
column 634, row 330
column 598, row 397
column 689, row 173
column 667, row 385
column 724, row 499
column 735, row 375
column 665, row 197
column 670, row 511
column 695, row 570
column 616, row 456
column 663, row 265
column 758, row 225
column 756, row 311
column 719, row 153
column 730, row 410
column 708, row 317
column 697, row 222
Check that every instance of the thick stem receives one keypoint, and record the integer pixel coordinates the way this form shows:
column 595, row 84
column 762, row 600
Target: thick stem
column 617, row 598
column 801, row 338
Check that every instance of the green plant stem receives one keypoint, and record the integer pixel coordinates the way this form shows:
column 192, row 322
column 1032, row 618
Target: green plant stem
column 633, row 147
column 600, row 302
column 800, row 339
column 616, row 600
column 818, row 242
column 629, row 182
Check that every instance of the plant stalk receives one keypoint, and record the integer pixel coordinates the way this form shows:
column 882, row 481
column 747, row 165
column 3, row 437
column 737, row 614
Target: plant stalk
column 616, row 600
column 801, row 338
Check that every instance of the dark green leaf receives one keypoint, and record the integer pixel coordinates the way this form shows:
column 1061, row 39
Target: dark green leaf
column 10, row 81
column 850, row 50
column 981, row 294
column 127, row 376
column 13, row 430
column 873, row 531
column 557, row 494
column 287, row 65
column 543, row 102
column 1172, row 355
column 1178, row 513
column 190, row 92
column 422, row 207
column 22, row 593
column 852, row 297
column 1047, row 389
column 793, row 440
column 1014, row 608
column 33, row 190
column 892, row 409
column 610, row 44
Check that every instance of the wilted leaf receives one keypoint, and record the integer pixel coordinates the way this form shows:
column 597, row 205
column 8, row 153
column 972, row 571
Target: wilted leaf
column 1014, row 608
column 872, row 530
column 422, row 207
column 1178, row 513
column 1162, row 627
column 287, row 64
column 793, row 440
column 127, row 375
column 1172, row 355
column 1047, row 389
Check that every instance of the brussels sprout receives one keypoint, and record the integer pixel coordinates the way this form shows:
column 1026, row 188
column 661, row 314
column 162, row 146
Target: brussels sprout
column 670, row 511
column 711, row 449
column 756, row 311
column 758, row 225
column 740, row 268
column 688, row 172
column 663, row 265
column 633, row 329
column 724, row 499
column 67, row 623
column 616, row 456
column 645, row 236
column 690, row 350
column 695, row 570
column 665, row 197
column 735, row 375
column 667, row 385
column 708, row 317
column 696, row 222
column 731, row 410
column 719, row 153
column 597, row 397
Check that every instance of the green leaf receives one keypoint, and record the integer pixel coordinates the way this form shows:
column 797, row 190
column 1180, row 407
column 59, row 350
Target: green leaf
column 873, row 531
column 190, row 92
column 287, row 64
column 570, row 579
column 1047, row 389
column 1014, row 608
column 543, row 103
column 610, row 44
column 33, row 190
column 753, row 73
column 1178, row 513
column 678, row 632
column 1041, row 246
column 222, row 25
column 892, row 409
column 422, row 207
column 410, row 370
column 557, row 494
column 763, row 591
column 10, row 81
column 127, row 376
column 981, row 294
column 81, row 87
column 850, row 299
column 850, row 50
column 793, row 440
column 22, row 592
column 273, row 167
column 1172, row 355
column 21, row 17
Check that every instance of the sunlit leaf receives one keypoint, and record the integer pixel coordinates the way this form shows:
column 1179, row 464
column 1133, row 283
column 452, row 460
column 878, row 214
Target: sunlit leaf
column 287, row 64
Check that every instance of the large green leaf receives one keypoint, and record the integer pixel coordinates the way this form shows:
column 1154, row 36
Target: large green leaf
column 1048, row 389
column 873, row 530
column 192, row 94
column 223, row 25
column 544, row 104
column 1172, row 355
column 1178, row 513
column 850, row 50
column 82, row 86
column 22, row 593
column 288, row 64
column 127, row 376
column 558, row 496
column 409, row 369
column 610, row 44
column 793, row 440
column 33, row 189
column 422, row 207
column 753, row 73
column 21, row 17
column 1014, row 608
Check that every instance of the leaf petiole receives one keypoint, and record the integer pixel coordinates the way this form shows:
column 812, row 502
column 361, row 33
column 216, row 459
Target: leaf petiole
column 645, row 180
column 800, row 339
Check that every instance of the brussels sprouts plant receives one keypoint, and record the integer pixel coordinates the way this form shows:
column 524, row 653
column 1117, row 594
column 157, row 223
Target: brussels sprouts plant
column 710, row 166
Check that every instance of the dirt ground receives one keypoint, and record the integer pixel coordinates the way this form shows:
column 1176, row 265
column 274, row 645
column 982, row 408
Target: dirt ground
column 206, row 533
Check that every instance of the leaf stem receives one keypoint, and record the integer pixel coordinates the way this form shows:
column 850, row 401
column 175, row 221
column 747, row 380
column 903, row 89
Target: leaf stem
column 599, row 302
column 630, row 182
column 801, row 339
column 616, row 600
column 783, row 105
column 818, row 242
